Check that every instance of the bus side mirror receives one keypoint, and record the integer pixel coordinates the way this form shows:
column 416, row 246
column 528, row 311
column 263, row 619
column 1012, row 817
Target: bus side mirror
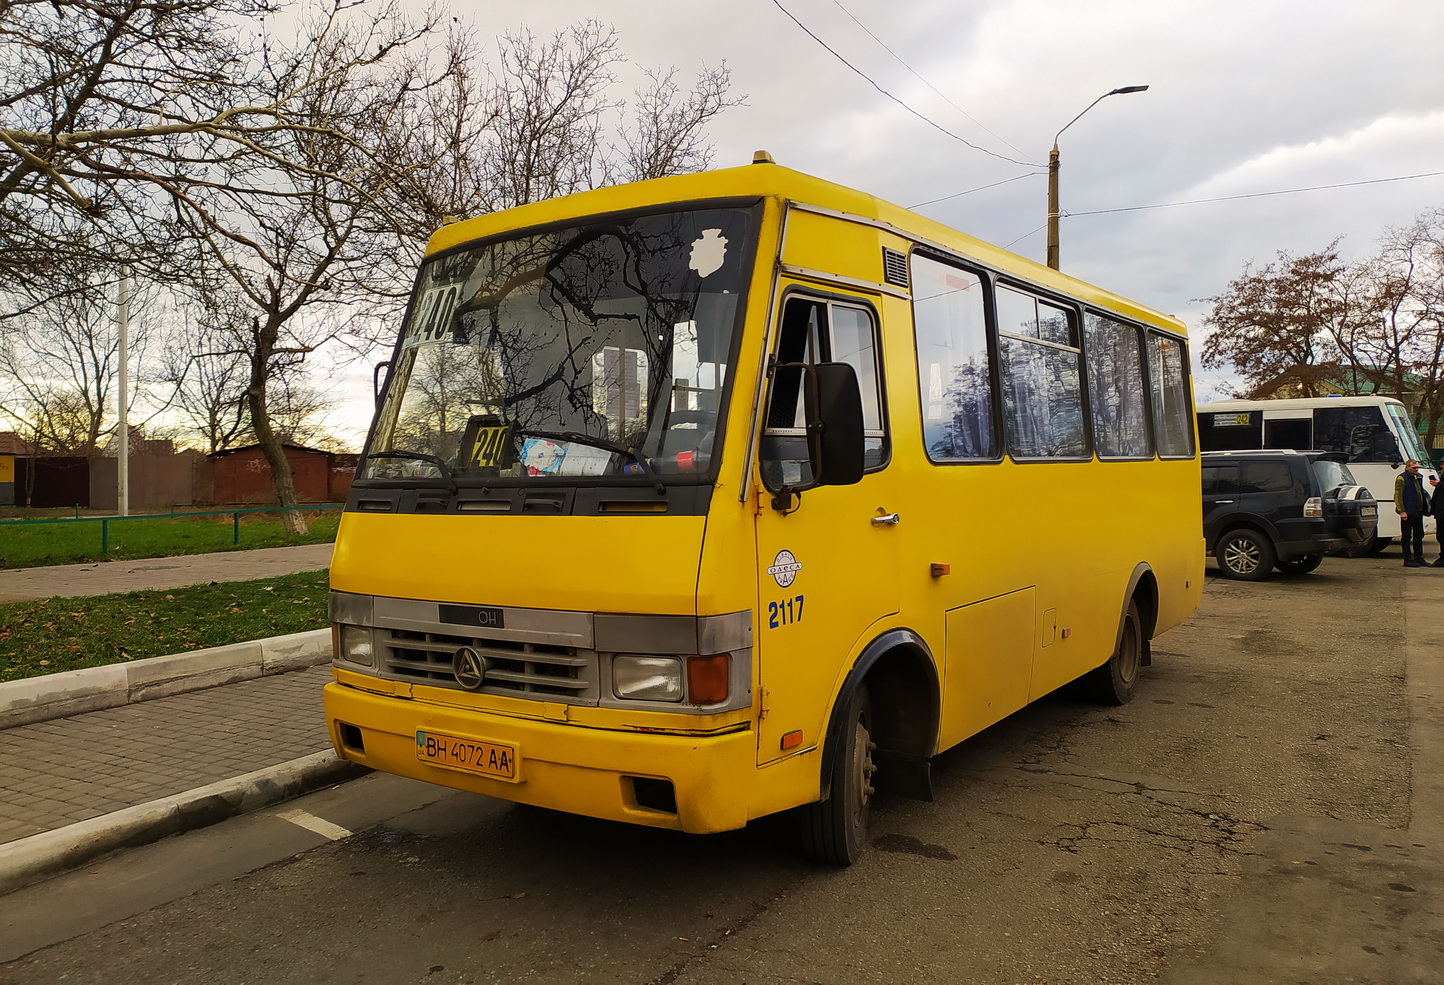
column 833, row 406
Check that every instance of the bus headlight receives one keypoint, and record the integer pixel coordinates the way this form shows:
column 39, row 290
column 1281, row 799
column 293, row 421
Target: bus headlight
column 642, row 678
column 354, row 646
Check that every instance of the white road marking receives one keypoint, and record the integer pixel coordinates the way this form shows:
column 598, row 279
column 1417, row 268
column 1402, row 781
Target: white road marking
column 319, row 825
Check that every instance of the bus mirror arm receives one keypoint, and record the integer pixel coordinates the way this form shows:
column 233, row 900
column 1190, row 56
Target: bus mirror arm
column 376, row 380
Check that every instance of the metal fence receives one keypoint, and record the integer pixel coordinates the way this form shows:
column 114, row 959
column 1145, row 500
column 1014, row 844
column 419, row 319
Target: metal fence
column 106, row 521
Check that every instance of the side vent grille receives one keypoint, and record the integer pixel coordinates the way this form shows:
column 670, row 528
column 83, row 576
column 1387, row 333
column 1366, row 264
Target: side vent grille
column 894, row 268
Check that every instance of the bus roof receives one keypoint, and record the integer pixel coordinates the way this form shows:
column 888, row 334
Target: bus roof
column 768, row 180
column 1295, row 403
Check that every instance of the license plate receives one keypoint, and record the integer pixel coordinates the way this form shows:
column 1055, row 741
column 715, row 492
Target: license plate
column 1370, row 511
column 492, row 759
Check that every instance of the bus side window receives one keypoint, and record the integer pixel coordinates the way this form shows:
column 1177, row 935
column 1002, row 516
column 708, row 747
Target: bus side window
column 815, row 331
column 1042, row 378
column 954, row 375
column 1289, row 433
column 1114, row 356
column 1172, row 406
column 1359, row 432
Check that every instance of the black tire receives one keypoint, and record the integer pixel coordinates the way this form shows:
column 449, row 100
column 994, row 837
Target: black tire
column 834, row 829
column 1245, row 555
column 1302, row 566
column 1115, row 681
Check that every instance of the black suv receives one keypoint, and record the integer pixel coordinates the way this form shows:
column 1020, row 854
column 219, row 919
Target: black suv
column 1284, row 508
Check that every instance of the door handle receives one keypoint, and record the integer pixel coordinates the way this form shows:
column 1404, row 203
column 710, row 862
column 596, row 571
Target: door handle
column 891, row 519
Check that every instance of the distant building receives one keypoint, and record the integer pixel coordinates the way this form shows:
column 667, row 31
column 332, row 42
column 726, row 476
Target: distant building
column 243, row 476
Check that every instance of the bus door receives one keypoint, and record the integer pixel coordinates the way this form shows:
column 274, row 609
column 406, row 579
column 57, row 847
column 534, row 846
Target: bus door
column 826, row 556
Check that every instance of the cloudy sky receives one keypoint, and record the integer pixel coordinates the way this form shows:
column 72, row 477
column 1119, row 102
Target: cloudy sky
column 1246, row 97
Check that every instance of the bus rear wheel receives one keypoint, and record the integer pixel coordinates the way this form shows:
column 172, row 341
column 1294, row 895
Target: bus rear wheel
column 1114, row 682
column 835, row 828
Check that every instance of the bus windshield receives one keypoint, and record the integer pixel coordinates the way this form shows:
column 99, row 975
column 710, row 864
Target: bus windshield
column 1408, row 436
column 594, row 350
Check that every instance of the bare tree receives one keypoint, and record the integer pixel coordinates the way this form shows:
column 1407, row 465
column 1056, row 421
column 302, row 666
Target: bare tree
column 286, row 175
column 1398, row 342
column 544, row 122
column 1282, row 322
column 59, row 364
column 667, row 133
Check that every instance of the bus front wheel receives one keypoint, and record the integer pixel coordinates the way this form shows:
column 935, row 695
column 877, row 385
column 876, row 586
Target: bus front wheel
column 835, row 828
column 1114, row 682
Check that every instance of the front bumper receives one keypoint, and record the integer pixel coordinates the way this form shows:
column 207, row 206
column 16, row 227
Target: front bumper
column 565, row 767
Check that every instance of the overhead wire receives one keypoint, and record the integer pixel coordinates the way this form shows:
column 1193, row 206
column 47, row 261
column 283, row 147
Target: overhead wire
column 1224, row 198
column 1281, row 191
column 995, row 184
column 903, row 62
column 864, row 76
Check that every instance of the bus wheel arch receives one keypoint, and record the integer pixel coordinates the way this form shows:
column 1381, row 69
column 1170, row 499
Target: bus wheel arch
column 889, row 701
column 1116, row 679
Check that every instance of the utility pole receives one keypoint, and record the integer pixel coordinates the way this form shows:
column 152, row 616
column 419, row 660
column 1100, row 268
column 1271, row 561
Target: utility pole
column 122, row 465
column 1053, row 208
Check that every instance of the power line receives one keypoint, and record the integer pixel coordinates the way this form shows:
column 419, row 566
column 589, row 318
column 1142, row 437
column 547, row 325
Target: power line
column 1282, row 191
column 869, row 81
column 903, row 62
column 995, row 184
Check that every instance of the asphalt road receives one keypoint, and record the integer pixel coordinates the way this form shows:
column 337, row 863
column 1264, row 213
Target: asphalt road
column 1269, row 809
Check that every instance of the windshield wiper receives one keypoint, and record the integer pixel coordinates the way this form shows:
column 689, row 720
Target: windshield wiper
column 602, row 443
column 440, row 464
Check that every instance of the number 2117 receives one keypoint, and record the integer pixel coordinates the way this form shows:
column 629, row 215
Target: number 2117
column 785, row 612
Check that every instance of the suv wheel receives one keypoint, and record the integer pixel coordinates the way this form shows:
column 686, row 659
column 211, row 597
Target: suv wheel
column 1246, row 555
column 1301, row 566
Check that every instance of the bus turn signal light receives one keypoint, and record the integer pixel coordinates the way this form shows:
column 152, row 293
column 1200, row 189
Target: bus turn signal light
column 707, row 679
column 792, row 740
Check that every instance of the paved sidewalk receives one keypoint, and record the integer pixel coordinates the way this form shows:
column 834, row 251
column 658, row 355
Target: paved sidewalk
column 105, row 577
column 73, row 788
column 66, row 770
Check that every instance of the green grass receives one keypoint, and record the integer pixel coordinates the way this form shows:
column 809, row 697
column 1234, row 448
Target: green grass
column 55, row 635
column 30, row 545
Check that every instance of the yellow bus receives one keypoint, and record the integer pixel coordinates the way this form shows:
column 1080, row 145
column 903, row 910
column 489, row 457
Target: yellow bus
column 704, row 498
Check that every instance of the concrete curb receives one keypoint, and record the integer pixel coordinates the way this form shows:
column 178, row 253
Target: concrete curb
column 38, row 699
column 31, row 859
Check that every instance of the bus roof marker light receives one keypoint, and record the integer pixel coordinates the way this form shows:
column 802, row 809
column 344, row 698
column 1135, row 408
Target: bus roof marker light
column 762, row 157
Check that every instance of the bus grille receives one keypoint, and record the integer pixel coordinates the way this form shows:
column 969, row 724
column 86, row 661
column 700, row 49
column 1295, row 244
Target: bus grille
column 525, row 670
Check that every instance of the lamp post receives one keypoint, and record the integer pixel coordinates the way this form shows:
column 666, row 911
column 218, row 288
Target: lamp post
column 1053, row 172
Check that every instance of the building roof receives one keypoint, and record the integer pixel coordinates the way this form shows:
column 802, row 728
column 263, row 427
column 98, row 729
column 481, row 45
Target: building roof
column 284, row 444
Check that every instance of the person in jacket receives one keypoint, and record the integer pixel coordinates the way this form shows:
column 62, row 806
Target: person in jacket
column 1411, row 502
column 1437, row 501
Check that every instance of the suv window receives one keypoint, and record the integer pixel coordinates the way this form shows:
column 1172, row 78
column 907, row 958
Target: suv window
column 1265, row 477
column 1220, row 480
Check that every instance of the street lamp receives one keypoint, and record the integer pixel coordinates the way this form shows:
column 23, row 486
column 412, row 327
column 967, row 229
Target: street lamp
column 1053, row 172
